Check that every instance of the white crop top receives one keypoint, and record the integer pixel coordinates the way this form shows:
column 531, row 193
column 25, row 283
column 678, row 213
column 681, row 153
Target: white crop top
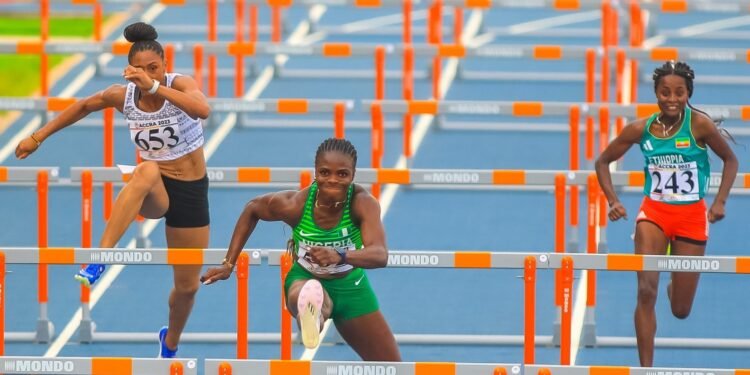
column 166, row 134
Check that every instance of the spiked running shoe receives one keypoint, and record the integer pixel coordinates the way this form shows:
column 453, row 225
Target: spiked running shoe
column 309, row 306
column 88, row 276
column 164, row 351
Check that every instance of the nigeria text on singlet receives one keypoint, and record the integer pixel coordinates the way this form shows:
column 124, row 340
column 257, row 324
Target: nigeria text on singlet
column 345, row 235
column 166, row 134
column 676, row 167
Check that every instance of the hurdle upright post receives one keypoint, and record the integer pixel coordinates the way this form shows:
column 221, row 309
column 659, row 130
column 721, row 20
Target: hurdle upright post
column 86, row 327
column 44, row 36
column 97, row 22
column 109, row 157
column 212, row 60
column 176, row 368
column 529, row 331
column 406, row 10
column 339, row 112
column 239, row 64
column 286, row 317
column 2, row 303
column 588, row 336
column 243, row 272
column 43, row 326
column 379, row 73
column 574, row 122
column 567, row 309
column 590, row 92
column 376, row 113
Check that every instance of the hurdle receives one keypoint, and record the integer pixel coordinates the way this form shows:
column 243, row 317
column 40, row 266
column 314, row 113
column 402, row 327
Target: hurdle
column 611, row 370
column 98, row 365
column 41, row 178
column 274, row 367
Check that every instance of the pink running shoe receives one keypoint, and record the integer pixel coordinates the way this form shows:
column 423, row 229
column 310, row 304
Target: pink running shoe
column 309, row 310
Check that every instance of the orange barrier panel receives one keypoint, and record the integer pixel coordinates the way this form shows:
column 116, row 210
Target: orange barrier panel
column 508, row 177
column 603, row 128
column 478, row 3
column 645, row 110
column 109, row 157
column 566, row 5
column 528, row 109
column 121, row 48
column 747, row 180
column 225, row 369
column 472, row 259
column 548, row 52
column 636, row 179
column 243, row 273
column 529, row 306
column 592, row 189
column 451, row 50
column 337, row 49
column 339, row 110
column 3, row 174
column 59, row 104
column 291, row 106
column 198, row 65
column 87, row 186
column 745, row 113
column 42, row 198
column 367, row 3
column 379, row 73
column 661, row 54
column 29, row 47
column 176, row 368
column 567, row 309
column 393, row 176
column 253, row 21
column 2, row 303
column 436, row 68
column 286, row 317
column 184, row 256
column 624, row 262
column 458, row 24
column 406, row 10
column 674, row 6
column 111, row 366
column 424, row 107
column 574, row 120
column 250, row 174
column 57, row 255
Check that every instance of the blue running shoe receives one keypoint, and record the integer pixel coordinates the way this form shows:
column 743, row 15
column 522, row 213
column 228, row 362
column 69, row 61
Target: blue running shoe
column 88, row 276
column 164, row 351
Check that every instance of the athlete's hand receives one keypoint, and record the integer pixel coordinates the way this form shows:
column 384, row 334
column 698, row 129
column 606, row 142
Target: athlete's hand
column 26, row 147
column 215, row 274
column 323, row 255
column 139, row 77
column 617, row 211
column 716, row 212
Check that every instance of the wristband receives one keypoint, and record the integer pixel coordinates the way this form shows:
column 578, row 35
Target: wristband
column 154, row 87
column 38, row 143
column 342, row 254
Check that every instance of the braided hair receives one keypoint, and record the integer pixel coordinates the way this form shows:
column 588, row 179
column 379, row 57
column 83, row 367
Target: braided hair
column 336, row 144
column 143, row 36
column 682, row 69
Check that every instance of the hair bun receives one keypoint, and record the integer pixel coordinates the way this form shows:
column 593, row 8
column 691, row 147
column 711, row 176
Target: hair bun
column 140, row 31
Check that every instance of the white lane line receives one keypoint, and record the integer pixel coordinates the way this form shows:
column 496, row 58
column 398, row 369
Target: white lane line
column 149, row 225
column 423, row 124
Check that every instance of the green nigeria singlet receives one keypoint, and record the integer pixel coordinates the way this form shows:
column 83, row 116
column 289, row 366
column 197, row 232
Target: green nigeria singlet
column 345, row 235
column 677, row 169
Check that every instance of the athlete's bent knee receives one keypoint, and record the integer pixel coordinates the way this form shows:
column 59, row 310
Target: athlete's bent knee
column 681, row 312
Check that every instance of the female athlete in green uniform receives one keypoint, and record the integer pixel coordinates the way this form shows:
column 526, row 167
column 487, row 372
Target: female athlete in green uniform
column 336, row 233
column 674, row 143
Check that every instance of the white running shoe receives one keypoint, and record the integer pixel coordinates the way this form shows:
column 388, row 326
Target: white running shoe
column 309, row 310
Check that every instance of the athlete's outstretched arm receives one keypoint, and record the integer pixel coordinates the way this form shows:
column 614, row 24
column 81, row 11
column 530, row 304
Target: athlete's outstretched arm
column 630, row 135
column 268, row 207
column 113, row 96
column 707, row 132
column 375, row 253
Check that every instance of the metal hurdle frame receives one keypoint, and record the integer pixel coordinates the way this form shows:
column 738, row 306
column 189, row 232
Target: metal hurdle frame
column 98, row 365
column 41, row 177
